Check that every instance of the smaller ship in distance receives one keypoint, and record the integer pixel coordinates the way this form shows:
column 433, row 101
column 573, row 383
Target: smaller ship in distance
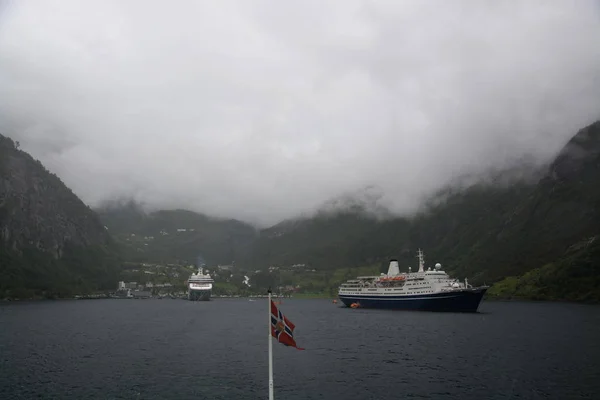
column 200, row 286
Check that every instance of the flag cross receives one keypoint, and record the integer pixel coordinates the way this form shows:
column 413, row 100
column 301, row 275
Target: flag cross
column 281, row 329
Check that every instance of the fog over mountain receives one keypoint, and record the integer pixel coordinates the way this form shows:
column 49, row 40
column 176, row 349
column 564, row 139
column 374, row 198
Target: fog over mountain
column 261, row 110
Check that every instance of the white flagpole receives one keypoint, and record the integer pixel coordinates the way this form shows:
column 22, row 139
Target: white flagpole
column 270, row 352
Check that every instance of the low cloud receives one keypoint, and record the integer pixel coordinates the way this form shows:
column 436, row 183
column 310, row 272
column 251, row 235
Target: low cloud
column 263, row 110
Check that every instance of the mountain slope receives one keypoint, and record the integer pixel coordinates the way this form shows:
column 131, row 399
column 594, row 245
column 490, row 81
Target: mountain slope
column 575, row 276
column 176, row 236
column 561, row 210
column 447, row 231
column 486, row 232
column 51, row 243
column 327, row 241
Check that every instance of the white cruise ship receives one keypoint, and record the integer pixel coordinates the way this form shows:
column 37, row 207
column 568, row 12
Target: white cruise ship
column 427, row 290
column 200, row 286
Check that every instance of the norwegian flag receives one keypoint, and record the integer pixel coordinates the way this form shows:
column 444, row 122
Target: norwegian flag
column 282, row 328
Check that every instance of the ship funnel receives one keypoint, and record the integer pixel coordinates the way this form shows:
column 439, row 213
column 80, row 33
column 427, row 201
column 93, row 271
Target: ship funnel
column 421, row 261
column 393, row 269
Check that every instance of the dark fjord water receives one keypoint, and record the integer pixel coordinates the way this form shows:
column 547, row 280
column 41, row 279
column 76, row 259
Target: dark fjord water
column 175, row 349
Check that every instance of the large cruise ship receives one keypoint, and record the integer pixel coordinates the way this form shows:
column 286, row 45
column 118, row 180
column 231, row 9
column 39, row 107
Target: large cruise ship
column 426, row 290
column 200, row 286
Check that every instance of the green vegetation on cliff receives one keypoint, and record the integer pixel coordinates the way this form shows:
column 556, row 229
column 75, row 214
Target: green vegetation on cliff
column 574, row 277
column 51, row 243
column 175, row 236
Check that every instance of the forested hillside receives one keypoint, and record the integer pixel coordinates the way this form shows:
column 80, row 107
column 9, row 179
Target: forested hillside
column 487, row 232
column 51, row 243
column 176, row 236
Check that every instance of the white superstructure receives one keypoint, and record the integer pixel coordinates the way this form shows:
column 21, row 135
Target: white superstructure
column 425, row 289
column 200, row 285
column 407, row 284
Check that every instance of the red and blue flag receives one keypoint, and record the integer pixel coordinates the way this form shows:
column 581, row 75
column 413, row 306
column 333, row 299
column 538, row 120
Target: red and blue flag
column 282, row 328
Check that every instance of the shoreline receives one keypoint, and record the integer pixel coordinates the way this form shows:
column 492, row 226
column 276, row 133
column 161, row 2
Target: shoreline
column 534, row 300
column 299, row 296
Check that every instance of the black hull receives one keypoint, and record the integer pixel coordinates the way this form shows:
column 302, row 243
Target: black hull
column 461, row 301
column 199, row 295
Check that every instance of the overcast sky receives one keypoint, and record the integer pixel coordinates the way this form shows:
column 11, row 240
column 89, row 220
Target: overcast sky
column 262, row 109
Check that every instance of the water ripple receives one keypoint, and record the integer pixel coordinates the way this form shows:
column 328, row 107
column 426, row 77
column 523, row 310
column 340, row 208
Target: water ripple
column 173, row 349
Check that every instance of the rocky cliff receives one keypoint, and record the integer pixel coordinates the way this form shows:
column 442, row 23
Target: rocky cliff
column 51, row 243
